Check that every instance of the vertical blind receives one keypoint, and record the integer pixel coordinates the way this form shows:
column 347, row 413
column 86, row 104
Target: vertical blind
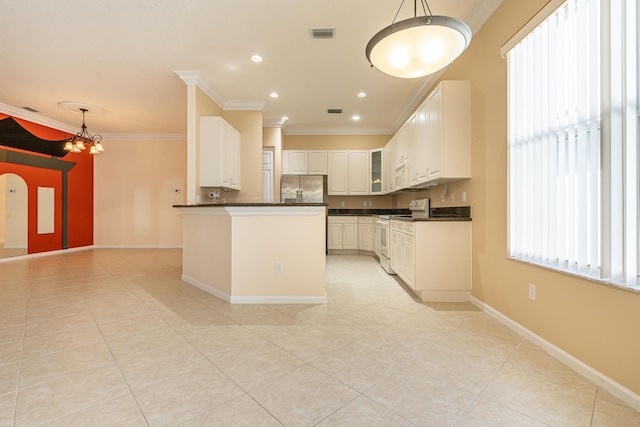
column 571, row 171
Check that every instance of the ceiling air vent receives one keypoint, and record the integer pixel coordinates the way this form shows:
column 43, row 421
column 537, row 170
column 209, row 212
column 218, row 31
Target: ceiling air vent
column 334, row 111
column 322, row 33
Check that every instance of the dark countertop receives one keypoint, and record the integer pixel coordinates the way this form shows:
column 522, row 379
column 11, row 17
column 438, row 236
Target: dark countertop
column 233, row 204
column 446, row 213
column 435, row 219
column 366, row 212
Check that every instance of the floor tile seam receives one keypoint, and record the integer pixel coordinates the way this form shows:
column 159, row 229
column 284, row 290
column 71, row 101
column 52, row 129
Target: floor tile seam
column 51, row 353
column 85, row 370
column 338, row 409
column 77, row 411
column 475, row 355
column 19, row 373
column 362, row 393
column 501, row 403
column 552, row 378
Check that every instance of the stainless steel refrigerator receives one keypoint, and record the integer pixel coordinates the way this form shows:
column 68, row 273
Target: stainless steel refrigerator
column 303, row 188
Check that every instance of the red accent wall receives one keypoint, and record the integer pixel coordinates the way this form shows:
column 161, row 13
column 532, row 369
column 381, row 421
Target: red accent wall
column 80, row 196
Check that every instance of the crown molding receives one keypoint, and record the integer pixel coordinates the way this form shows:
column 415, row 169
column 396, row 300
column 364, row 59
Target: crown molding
column 188, row 77
column 37, row 118
column 178, row 137
column 480, row 13
column 193, row 77
column 237, row 104
column 337, row 131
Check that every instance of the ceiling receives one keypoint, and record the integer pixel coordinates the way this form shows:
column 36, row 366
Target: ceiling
column 121, row 55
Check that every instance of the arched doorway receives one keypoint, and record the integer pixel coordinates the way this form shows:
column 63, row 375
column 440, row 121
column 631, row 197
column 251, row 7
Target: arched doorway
column 14, row 215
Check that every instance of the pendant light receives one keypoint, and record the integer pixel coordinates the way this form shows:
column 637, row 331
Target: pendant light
column 83, row 139
column 418, row 46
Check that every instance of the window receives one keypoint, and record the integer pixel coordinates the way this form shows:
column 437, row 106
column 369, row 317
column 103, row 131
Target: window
column 573, row 140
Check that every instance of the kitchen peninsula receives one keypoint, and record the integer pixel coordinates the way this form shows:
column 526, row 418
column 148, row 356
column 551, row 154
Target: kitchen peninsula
column 256, row 253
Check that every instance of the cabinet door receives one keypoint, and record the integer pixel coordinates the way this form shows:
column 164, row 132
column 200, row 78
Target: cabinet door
column 408, row 260
column 317, row 162
column 334, row 232
column 232, row 143
column 375, row 164
column 350, row 236
column 434, row 134
column 394, row 250
column 338, row 179
column 358, row 172
column 365, row 237
column 210, row 151
column 286, row 163
column 419, row 156
column 298, row 160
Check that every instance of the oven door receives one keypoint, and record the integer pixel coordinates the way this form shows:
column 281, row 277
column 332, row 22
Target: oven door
column 384, row 237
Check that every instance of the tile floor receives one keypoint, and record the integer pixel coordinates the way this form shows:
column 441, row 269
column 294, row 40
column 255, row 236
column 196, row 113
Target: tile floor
column 112, row 337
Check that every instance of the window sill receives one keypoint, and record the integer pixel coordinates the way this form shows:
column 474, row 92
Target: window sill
column 633, row 288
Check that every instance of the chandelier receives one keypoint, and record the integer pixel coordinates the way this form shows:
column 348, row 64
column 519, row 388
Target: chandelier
column 418, row 46
column 84, row 139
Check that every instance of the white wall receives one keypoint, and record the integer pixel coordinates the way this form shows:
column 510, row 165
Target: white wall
column 135, row 185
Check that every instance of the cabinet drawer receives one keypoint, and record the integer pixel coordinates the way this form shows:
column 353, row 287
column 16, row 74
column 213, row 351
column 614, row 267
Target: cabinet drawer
column 366, row 220
column 343, row 220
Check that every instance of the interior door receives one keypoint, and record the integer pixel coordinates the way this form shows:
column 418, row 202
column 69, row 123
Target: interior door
column 268, row 182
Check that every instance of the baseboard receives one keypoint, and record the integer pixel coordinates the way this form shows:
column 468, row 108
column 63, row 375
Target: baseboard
column 254, row 300
column 613, row 387
column 204, row 287
column 47, row 253
column 137, row 247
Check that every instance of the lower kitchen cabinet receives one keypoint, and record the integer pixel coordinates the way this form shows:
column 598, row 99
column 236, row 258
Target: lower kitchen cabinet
column 366, row 233
column 433, row 258
column 342, row 232
column 350, row 233
column 402, row 251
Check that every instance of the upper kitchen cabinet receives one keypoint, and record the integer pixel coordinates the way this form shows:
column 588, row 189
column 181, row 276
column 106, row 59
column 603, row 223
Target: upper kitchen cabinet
column 219, row 154
column 445, row 134
column 304, row 162
column 359, row 176
column 376, row 171
column 348, row 172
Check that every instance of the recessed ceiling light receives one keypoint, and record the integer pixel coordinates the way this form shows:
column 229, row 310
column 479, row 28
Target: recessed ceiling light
column 256, row 58
column 274, row 95
column 355, row 118
column 285, row 118
column 361, row 95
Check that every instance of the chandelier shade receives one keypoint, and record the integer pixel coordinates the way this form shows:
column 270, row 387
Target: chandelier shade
column 418, row 46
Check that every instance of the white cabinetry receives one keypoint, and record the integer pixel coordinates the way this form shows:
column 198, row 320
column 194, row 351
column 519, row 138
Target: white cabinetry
column 304, row 162
column 342, row 232
column 376, row 180
column 448, row 131
column 338, row 179
column 351, row 232
column 444, row 249
column 403, row 251
column 366, row 233
column 219, row 154
column 348, row 172
column 359, row 176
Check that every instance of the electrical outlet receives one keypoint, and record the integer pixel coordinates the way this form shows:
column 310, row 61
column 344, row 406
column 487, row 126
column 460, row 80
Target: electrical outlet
column 463, row 196
column 364, row 203
column 278, row 267
column 452, row 198
column 532, row 292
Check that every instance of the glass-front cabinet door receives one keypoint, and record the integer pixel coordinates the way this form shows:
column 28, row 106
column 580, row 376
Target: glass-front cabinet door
column 376, row 171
